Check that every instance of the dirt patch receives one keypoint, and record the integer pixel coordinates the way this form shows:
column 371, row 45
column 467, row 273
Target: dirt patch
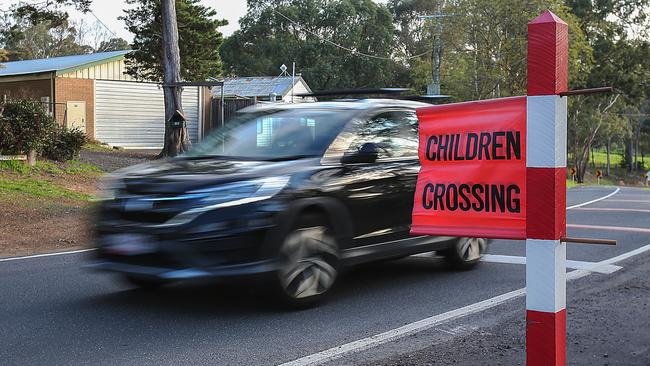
column 32, row 225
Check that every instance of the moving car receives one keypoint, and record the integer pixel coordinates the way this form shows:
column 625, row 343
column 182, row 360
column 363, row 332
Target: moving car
column 290, row 192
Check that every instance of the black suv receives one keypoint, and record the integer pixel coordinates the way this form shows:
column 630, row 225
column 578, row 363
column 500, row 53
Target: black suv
column 294, row 192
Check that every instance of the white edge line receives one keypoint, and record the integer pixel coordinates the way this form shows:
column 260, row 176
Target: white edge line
column 594, row 201
column 46, row 255
column 424, row 324
column 87, row 250
column 570, row 264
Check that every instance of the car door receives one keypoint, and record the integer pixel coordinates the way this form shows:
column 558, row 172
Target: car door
column 379, row 194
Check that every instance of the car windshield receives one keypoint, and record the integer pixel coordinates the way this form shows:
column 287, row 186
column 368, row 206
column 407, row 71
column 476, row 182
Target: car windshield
column 274, row 136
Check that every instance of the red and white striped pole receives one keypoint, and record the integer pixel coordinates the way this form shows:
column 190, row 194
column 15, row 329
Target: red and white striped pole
column 546, row 191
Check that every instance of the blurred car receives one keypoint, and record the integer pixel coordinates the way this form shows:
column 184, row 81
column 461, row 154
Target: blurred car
column 292, row 192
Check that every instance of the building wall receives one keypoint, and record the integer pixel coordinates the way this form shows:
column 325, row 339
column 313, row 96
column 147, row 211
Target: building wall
column 27, row 89
column 76, row 90
column 299, row 88
column 113, row 70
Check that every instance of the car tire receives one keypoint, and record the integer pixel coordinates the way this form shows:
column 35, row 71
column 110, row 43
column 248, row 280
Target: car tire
column 465, row 253
column 144, row 283
column 308, row 260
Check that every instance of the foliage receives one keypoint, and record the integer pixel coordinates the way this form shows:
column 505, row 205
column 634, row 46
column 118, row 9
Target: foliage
column 24, row 126
column 63, row 144
column 279, row 32
column 113, row 44
column 51, row 11
column 199, row 40
column 25, row 41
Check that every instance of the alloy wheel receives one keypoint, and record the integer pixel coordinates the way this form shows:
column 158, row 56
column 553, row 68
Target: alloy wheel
column 308, row 262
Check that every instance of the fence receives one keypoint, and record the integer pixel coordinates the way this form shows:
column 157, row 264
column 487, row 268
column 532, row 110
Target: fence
column 230, row 107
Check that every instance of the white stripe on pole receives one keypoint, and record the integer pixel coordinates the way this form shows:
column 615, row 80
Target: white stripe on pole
column 546, row 131
column 545, row 275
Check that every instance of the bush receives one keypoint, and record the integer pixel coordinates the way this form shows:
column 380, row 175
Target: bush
column 62, row 144
column 24, row 126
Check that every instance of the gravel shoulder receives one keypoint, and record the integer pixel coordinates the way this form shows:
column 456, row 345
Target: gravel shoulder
column 598, row 331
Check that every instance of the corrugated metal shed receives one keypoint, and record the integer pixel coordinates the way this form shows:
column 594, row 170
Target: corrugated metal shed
column 56, row 64
column 259, row 86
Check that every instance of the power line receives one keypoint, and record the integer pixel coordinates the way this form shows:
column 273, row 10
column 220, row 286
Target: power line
column 102, row 23
column 351, row 50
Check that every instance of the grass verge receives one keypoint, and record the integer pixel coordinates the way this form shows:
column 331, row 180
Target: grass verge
column 38, row 187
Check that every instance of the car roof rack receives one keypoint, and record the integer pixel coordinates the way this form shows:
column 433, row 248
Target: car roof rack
column 391, row 93
column 362, row 91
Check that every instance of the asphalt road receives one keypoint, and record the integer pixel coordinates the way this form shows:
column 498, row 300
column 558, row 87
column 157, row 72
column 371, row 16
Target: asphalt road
column 54, row 312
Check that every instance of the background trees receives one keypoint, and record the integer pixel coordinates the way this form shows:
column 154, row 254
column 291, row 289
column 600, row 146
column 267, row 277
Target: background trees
column 277, row 32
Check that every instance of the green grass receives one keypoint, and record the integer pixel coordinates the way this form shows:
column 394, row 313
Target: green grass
column 98, row 147
column 15, row 166
column 570, row 183
column 72, row 167
column 77, row 167
column 39, row 188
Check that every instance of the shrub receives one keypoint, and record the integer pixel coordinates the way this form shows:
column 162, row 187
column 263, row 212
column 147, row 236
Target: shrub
column 24, row 126
column 63, row 144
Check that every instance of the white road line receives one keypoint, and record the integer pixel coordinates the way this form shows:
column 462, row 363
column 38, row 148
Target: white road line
column 594, row 201
column 46, row 255
column 635, row 201
column 610, row 228
column 571, row 264
column 612, row 209
column 427, row 323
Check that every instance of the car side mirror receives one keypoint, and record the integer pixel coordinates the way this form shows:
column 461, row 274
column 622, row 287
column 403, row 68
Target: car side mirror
column 367, row 153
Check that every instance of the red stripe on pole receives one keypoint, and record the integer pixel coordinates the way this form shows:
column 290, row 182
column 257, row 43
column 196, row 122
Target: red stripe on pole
column 548, row 45
column 546, row 203
column 545, row 338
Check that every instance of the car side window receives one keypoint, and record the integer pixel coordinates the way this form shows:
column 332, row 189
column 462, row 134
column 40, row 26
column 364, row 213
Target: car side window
column 394, row 133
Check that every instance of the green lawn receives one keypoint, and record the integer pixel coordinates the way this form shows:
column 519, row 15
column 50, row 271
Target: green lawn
column 37, row 187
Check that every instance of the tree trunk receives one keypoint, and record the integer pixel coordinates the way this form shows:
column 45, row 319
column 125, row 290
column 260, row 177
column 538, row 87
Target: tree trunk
column 31, row 157
column 176, row 139
column 609, row 148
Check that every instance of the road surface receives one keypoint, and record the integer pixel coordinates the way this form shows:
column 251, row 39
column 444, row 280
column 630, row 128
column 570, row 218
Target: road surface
column 55, row 312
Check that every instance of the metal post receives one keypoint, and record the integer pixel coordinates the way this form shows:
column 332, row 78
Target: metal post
column 293, row 80
column 223, row 121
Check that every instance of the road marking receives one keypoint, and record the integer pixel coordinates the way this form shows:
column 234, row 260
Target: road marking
column 46, row 255
column 430, row 322
column 635, row 201
column 612, row 228
column 612, row 209
column 571, row 264
column 594, row 201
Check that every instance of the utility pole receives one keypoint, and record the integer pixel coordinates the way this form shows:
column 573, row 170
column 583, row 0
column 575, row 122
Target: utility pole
column 436, row 30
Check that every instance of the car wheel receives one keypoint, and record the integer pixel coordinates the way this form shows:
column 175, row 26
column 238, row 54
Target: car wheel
column 308, row 260
column 144, row 282
column 465, row 253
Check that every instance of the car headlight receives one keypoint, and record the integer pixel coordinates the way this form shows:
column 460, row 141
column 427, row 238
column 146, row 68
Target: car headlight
column 228, row 195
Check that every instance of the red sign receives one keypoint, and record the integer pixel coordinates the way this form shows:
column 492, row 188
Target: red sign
column 473, row 176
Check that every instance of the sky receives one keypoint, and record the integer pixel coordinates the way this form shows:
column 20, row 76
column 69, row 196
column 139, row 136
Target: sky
column 109, row 10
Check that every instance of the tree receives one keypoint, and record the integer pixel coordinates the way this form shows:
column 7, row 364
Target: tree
column 23, row 40
column 619, row 61
column 326, row 39
column 198, row 34
column 113, row 44
column 51, row 11
column 187, row 50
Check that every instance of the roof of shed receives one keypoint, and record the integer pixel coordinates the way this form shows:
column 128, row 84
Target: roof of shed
column 67, row 63
column 259, row 86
